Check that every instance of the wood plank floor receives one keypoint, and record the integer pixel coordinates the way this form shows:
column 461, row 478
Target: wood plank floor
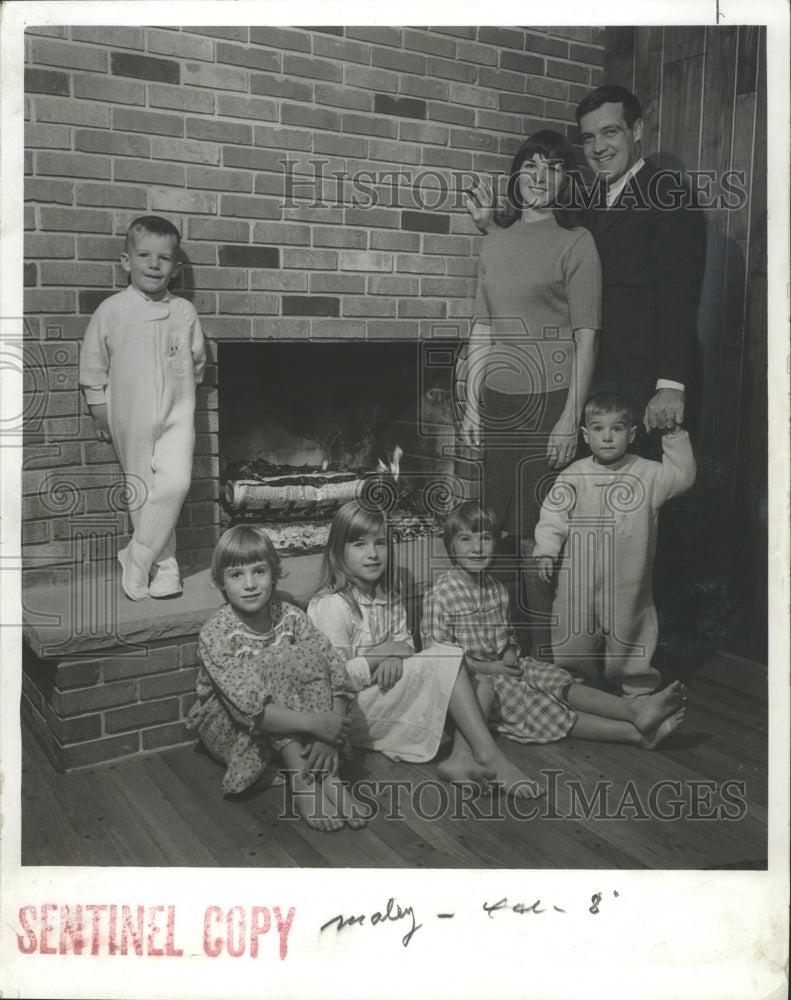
column 607, row 806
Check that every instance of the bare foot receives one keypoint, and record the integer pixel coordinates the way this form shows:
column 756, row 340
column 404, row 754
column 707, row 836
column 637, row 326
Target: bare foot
column 313, row 806
column 652, row 740
column 510, row 778
column 461, row 769
column 340, row 803
column 652, row 710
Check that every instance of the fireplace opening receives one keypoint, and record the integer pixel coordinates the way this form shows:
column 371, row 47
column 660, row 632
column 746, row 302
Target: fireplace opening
column 303, row 427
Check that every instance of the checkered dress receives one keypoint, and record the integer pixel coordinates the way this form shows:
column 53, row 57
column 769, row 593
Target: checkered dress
column 528, row 709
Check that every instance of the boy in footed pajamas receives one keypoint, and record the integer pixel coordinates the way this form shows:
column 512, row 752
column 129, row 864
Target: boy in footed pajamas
column 600, row 518
column 141, row 358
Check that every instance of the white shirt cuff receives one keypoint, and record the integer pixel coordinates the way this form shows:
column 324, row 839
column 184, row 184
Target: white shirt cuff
column 94, row 395
column 666, row 383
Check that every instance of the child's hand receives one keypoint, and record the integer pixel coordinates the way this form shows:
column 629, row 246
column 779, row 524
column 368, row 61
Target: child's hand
column 385, row 649
column 388, row 673
column 491, row 667
column 330, row 726
column 511, row 657
column 100, row 422
column 320, row 758
column 546, row 565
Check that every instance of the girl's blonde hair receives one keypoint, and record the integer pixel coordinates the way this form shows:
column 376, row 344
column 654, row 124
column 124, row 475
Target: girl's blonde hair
column 352, row 522
column 240, row 546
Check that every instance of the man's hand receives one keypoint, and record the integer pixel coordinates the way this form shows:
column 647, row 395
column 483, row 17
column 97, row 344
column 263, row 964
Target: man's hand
column 546, row 565
column 329, row 726
column 480, row 204
column 388, row 673
column 562, row 443
column 665, row 409
column 100, row 422
column 320, row 758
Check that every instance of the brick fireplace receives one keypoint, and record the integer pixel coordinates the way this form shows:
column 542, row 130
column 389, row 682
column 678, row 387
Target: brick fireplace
column 315, row 174
column 296, row 412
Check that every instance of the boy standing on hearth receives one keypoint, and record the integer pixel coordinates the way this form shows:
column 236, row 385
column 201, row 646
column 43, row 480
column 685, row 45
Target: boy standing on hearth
column 142, row 356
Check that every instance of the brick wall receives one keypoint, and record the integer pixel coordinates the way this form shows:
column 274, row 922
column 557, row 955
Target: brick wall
column 378, row 123
column 84, row 711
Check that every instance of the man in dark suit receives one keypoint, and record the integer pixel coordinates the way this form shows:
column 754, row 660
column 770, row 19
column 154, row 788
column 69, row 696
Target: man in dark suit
column 652, row 244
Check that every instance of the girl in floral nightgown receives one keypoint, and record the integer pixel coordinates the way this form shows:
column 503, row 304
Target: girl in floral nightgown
column 270, row 683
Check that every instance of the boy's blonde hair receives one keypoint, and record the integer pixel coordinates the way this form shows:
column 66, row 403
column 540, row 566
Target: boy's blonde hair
column 240, row 546
column 153, row 224
column 469, row 516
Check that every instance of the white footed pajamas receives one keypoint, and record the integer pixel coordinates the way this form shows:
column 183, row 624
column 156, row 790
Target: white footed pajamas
column 143, row 359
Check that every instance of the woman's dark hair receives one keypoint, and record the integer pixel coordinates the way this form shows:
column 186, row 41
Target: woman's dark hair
column 551, row 146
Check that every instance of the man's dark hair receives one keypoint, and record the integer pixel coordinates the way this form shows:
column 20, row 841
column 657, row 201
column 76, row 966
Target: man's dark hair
column 610, row 93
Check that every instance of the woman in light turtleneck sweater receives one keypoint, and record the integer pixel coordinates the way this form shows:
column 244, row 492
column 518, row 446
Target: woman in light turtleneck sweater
column 532, row 347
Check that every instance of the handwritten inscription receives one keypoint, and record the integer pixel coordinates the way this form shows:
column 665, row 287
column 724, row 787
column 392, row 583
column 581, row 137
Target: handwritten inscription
column 503, row 904
column 393, row 912
column 536, row 907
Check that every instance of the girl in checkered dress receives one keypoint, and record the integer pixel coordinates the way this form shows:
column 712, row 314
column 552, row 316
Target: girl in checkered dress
column 530, row 701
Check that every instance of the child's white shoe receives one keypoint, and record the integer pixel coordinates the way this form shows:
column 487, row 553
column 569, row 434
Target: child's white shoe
column 135, row 562
column 166, row 581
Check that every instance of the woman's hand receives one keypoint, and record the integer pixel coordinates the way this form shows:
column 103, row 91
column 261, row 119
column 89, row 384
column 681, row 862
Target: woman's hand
column 562, row 444
column 471, row 427
column 480, row 204
column 320, row 758
column 492, row 667
column 329, row 726
column 388, row 673
column 546, row 565
column 100, row 422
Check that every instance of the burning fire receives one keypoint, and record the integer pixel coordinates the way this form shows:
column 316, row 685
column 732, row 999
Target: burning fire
column 393, row 466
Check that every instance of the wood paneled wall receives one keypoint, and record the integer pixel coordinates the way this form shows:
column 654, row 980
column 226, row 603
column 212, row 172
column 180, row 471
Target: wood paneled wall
column 703, row 92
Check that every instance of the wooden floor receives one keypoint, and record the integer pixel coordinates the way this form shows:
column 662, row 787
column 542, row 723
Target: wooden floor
column 166, row 808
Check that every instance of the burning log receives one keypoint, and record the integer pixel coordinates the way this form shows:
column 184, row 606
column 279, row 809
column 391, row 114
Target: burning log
column 295, row 503
column 282, row 497
column 290, row 492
